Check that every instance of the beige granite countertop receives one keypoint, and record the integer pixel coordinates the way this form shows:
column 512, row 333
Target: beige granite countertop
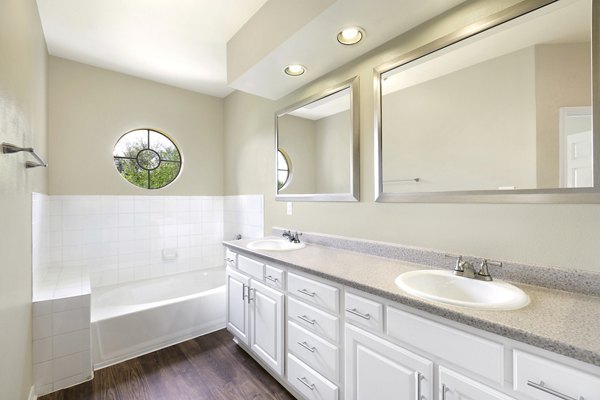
column 562, row 322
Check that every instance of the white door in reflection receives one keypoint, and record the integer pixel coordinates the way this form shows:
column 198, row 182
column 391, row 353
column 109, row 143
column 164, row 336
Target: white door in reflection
column 577, row 156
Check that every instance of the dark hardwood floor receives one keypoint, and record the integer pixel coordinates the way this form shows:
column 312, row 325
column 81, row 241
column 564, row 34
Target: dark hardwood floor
column 210, row 367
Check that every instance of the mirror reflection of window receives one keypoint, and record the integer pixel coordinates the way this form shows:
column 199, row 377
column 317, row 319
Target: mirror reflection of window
column 283, row 169
column 318, row 136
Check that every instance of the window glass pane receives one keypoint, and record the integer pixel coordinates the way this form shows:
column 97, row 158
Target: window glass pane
column 131, row 143
column 282, row 176
column 163, row 146
column 147, row 158
column 164, row 174
column 130, row 170
column 281, row 162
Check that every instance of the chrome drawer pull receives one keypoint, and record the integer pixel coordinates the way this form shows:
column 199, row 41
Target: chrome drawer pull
column 229, row 260
column 307, row 346
column 356, row 312
column 306, row 292
column 270, row 278
column 444, row 390
column 306, row 319
column 542, row 386
column 305, row 383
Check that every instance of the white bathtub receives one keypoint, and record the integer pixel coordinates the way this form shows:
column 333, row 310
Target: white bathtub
column 135, row 318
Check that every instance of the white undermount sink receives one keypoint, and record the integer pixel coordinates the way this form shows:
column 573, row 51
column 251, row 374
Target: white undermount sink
column 445, row 287
column 274, row 245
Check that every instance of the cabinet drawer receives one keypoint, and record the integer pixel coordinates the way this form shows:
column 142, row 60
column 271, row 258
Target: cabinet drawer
column 230, row 259
column 314, row 351
column 315, row 320
column 308, row 382
column 455, row 386
column 473, row 353
column 314, row 292
column 274, row 276
column 530, row 371
column 251, row 267
column 364, row 312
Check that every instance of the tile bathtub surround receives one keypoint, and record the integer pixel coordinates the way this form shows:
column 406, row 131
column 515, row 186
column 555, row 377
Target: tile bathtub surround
column 243, row 215
column 127, row 238
column 571, row 280
column 61, row 343
column 40, row 232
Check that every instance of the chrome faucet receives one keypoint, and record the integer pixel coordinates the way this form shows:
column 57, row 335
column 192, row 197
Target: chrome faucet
column 466, row 269
column 292, row 237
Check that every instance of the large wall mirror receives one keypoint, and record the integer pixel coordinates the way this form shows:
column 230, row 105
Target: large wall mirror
column 501, row 111
column 316, row 144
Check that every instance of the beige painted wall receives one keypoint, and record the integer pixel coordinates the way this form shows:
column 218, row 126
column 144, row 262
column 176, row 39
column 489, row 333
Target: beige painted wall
column 315, row 146
column 548, row 234
column 90, row 108
column 563, row 79
column 23, row 122
column 453, row 135
column 297, row 139
column 333, row 148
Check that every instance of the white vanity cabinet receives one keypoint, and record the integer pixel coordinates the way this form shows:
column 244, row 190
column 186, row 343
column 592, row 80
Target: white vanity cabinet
column 325, row 341
column 238, row 319
column 255, row 316
column 378, row 369
column 313, row 347
column 266, row 324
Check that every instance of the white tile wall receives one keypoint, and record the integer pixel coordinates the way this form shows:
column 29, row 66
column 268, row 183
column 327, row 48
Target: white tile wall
column 81, row 242
column 40, row 230
column 243, row 215
column 61, row 343
column 126, row 238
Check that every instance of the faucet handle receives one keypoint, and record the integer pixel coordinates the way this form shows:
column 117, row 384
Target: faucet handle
column 295, row 237
column 484, row 273
column 458, row 267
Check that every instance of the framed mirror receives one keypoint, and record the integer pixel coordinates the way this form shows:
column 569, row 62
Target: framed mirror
column 500, row 111
column 316, row 146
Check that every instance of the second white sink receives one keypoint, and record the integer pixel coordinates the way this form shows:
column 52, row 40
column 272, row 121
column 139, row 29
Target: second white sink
column 272, row 244
column 445, row 287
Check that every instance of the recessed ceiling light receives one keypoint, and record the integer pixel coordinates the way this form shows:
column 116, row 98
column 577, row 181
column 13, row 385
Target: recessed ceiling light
column 351, row 35
column 295, row 69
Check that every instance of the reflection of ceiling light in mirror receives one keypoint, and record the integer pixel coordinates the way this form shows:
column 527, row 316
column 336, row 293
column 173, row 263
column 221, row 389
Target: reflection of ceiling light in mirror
column 351, row 35
column 295, row 69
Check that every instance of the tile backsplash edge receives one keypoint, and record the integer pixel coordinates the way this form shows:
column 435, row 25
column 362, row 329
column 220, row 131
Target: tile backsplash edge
column 571, row 280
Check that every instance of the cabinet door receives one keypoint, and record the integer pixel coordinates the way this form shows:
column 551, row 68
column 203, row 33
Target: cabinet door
column 266, row 325
column 237, row 305
column 455, row 386
column 378, row 369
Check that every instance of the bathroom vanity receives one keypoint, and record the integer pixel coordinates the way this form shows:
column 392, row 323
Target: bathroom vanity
column 331, row 324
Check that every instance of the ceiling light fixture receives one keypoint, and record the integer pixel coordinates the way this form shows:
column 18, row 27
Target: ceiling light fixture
column 351, row 35
column 295, row 69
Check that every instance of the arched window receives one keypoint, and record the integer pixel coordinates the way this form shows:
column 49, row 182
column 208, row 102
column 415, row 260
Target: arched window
column 147, row 158
column 284, row 168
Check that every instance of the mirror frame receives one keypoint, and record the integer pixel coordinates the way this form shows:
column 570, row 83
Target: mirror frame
column 353, row 194
column 556, row 195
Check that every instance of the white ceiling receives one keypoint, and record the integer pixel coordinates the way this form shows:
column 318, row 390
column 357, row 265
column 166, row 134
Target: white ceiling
column 315, row 45
column 177, row 42
column 183, row 43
